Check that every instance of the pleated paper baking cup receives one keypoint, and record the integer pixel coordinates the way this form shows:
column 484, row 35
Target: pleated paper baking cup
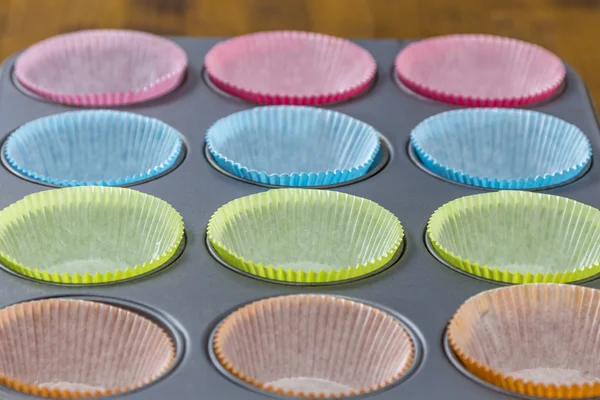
column 518, row 237
column 290, row 67
column 88, row 235
column 480, row 70
column 313, row 346
column 537, row 340
column 501, row 148
column 68, row 348
column 305, row 235
column 102, row 67
column 293, row 146
column 81, row 148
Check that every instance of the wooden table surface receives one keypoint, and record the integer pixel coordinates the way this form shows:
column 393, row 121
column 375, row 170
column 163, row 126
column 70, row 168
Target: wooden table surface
column 570, row 28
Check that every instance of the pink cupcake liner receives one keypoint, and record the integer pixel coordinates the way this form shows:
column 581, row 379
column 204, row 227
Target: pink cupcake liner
column 290, row 67
column 102, row 67
column 480, row 70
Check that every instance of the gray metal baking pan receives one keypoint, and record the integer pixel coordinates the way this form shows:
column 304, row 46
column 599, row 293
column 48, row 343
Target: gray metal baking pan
column 196, row 292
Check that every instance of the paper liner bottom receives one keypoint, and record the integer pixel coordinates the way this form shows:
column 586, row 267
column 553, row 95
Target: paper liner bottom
column 305, row 385
column 71, row 387
column 308, row 274
column 109, row 99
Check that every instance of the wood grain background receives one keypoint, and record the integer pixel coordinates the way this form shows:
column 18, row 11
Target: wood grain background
column 570, row 28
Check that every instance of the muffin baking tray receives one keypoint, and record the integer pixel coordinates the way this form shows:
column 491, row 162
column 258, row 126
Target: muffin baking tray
column 191, row 296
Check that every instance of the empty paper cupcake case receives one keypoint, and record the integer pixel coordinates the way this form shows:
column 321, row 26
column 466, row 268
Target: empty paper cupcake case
column 72, row 68
column 520, row 339
column 115, row 347
column 480, row 70
column 96, row 235
column 293, row 146
column 518, row 237
column 305, row 236
column 290, row 67
column 349, row 348
column 501, row 148
column 199, row 282
column 98, row 148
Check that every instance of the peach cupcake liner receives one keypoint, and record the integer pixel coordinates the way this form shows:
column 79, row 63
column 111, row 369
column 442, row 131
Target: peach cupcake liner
column 290, row 67
column 102, row 67
column 347, row 347
column 480, row 70
column 72, row 348
column 535, row 340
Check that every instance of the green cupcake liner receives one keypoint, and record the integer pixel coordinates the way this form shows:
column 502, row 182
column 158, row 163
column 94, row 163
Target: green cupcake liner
column 305, row 236
column 518, row 237
column 88, row 235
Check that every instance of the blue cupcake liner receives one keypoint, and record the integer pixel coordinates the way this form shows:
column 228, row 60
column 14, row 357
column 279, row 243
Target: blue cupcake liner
column 93, row 148
column 499, row 148
column 293, row 146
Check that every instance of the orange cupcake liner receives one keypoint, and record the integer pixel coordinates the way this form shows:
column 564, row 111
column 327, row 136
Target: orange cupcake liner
column 500, row 334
